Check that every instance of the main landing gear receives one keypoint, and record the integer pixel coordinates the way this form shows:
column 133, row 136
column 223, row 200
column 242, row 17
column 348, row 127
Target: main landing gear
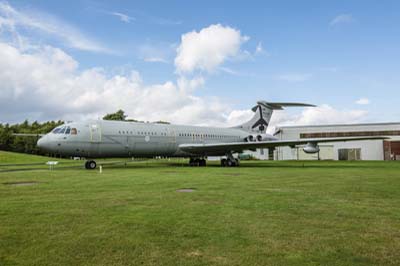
column 90, row 165
column 230, row 162
column 197, row 162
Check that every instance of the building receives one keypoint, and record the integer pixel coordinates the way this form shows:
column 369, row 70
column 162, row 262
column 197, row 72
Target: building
column 350, row 150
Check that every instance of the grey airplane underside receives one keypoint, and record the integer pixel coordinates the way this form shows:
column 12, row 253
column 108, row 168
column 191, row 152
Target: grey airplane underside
column 102, row 139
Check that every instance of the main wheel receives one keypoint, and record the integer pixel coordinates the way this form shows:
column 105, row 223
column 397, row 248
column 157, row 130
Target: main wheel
column 202, row 162
column 91, row 165
column 223, row 162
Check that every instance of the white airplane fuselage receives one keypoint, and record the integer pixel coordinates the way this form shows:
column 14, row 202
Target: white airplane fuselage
column 101, row 139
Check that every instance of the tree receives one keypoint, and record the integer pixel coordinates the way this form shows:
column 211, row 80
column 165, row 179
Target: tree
column 119, row 116
column 9, row 142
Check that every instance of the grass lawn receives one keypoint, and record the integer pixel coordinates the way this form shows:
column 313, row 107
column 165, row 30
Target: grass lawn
column 262, row 213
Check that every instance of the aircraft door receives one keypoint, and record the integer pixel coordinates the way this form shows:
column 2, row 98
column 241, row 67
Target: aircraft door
column 95, row 133
column 95, row 139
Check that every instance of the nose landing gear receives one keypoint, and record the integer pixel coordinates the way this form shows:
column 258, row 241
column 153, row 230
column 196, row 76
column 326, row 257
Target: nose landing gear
column 90, row 165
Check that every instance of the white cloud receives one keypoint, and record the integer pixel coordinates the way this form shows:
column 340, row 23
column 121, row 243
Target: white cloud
column 234, row 72
column 155, row 60
column 11, row 19
column 154, row 52
column 47, row 84
column 260, row 50
column 189, row 85
column 342, row 19
column 324, row 114
column 295, row 77
column 207, row 49
column 363, row 101
column 123, row 17
column 237, row 117
column 229, row 71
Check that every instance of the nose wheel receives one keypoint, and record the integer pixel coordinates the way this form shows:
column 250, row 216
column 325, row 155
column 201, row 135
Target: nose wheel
column 90, row 165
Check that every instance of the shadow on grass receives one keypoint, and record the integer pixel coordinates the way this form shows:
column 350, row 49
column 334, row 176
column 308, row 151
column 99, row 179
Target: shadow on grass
column 285, row 164
column 129, row 165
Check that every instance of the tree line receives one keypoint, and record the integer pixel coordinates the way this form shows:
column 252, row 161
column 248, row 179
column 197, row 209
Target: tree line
column 10, row 142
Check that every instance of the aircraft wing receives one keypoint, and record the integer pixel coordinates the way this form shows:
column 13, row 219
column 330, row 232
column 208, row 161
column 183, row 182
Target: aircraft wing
column 214, row 148
column 28, row 135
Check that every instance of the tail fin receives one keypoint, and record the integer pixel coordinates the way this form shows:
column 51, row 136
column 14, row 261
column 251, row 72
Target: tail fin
column 263, row 112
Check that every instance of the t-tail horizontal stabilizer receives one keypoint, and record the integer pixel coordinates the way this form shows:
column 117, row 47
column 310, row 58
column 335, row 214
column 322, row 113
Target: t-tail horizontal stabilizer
column 263, row 112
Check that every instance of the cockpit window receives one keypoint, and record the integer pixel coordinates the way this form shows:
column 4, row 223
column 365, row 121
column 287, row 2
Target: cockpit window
column 56, row 130
column 74, row 131
column 62, row 131
column 68, row 130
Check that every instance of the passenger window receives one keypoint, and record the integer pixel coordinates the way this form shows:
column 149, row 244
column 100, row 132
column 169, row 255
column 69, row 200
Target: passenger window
column 74, row 131
column 68, row 130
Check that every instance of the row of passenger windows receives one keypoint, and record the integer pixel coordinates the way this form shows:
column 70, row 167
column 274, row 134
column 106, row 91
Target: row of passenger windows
column 142, row 133
column 65, row 130
column 214, row 136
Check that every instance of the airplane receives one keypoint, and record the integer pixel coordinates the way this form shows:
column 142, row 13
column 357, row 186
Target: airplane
column 104, row 139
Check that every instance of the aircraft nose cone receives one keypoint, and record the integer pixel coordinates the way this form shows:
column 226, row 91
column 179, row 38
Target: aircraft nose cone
column 43, row 143
column 40, row 143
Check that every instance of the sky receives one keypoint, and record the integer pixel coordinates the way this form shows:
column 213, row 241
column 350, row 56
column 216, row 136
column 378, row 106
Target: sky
column 200, row 62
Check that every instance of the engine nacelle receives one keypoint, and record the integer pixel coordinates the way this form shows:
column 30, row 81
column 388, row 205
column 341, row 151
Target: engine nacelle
column 262, row 137
column 249, row 138
column 257, row 137
column 311, row 147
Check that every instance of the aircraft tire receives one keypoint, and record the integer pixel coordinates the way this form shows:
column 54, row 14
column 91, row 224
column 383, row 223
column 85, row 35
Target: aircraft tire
column 87, row 164
column 223, row 162
column 202, row 162
column 91, row 165
column 194, row 162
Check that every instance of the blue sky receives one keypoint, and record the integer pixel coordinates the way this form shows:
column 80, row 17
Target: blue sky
column 342, row 55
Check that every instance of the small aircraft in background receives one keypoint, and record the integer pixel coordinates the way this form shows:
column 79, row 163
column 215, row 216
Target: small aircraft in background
column 105, row 139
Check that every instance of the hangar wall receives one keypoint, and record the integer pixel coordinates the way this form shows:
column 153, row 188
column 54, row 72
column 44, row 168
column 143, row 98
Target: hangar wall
column 358, row 150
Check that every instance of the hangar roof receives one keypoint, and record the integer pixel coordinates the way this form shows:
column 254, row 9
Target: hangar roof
column 344, row 125
column 281, row 128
